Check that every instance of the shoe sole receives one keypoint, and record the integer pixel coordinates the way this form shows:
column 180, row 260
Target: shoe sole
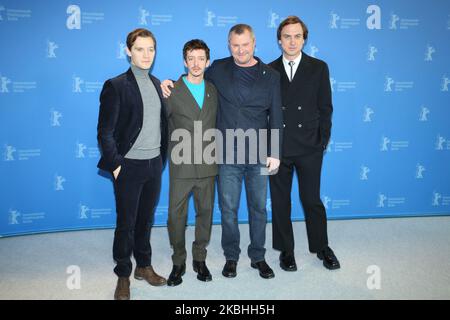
column 287, row 269
column 173, row 284
column 270, row 276
column 204, row 279
column 207, row 279
column 153, row 284
column 331, row 268
column 229, row 275
column 327, row 266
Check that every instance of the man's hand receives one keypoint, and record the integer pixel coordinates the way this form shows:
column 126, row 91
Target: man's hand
column 272, row 164
column 165, row 87
column 116, row 172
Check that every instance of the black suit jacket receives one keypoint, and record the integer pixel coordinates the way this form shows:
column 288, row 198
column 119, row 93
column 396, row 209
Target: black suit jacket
column 120, row 119
column 260, row 110
column 307, row 106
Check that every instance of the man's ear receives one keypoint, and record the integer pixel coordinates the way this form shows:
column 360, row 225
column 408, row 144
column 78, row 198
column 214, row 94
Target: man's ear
column 128, row 52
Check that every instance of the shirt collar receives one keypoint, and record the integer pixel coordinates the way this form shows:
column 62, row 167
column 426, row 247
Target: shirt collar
column 296, row 60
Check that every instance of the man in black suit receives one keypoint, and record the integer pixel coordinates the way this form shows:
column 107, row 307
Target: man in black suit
column 307, row 109
column 132, row 135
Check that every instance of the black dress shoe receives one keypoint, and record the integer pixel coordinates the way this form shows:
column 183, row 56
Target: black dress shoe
column 329, row 259
column 175, row 276
column 229, row 269
column 287, row 261
column 203, row 273
column 264, row 270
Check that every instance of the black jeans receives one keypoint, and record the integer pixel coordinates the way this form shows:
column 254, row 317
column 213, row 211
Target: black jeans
column 136, row 191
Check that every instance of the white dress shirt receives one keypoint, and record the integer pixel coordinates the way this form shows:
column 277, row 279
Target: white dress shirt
column 287, row 67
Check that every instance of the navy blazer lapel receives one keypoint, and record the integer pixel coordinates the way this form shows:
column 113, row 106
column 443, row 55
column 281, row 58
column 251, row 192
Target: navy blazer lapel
column 229, row 79
column 135, row 93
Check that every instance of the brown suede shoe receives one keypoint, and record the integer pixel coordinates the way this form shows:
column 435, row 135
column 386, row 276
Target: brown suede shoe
column 123, row 289
column 149, row 275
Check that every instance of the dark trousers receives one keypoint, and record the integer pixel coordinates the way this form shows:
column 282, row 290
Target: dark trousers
column 229, row 187
column 179, row 192
column 308, row 168
column 136, row 191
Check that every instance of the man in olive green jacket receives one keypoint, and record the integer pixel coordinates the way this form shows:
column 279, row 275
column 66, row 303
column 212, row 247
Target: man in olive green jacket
column 192, row 109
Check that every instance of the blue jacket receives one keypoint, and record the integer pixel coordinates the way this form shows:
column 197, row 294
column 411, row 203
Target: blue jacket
column 260, row 110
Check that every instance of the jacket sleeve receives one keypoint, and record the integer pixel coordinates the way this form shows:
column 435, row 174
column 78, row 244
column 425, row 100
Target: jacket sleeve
column 107, row 120
column 325, row 106
column 275, row 119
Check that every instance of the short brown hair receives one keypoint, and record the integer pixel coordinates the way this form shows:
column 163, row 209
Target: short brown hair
column 292, row 20
column 195, row 44
column 140, row 32
column 240, row 29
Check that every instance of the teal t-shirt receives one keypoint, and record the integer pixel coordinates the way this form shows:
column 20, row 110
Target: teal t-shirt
column 197, row 90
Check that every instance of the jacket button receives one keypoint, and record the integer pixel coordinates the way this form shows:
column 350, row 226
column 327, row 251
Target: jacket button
column 299, row 125
column 283, row 108
column 299, row 107
column 284, row 125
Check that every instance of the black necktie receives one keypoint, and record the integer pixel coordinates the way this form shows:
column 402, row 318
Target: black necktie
column 291, row 64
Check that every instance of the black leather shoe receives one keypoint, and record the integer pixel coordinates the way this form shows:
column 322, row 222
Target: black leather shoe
column 229, row 269
column 203, row 273
column 287, row 261
column 329, row 259
column 175, row 276
column 264, row 270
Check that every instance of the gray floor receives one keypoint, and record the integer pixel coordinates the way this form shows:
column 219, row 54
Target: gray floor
column 412, row 256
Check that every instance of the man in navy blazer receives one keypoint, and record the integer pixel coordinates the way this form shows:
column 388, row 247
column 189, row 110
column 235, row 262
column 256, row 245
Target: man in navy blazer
column 307, row 110
column 132, row 135
column 249, row 101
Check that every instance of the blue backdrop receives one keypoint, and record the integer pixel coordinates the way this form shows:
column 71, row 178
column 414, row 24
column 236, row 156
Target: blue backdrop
column 389, row 153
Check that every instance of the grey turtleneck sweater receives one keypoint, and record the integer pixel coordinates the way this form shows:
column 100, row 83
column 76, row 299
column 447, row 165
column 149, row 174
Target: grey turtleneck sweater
column 147, row 144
